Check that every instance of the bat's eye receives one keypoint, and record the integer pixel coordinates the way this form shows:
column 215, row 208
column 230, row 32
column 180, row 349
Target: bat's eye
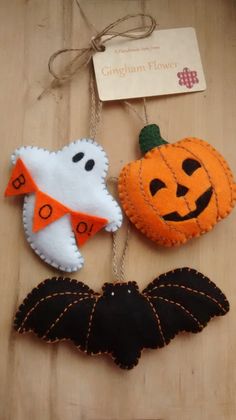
column 112, row 293
column 89, row 165
column 78, row 157
column 129, row 291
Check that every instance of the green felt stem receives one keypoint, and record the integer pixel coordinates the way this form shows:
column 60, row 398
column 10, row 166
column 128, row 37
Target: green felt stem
column 150, row 137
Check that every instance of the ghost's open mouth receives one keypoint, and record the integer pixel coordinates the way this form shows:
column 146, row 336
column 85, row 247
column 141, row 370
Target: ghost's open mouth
column 201, row 203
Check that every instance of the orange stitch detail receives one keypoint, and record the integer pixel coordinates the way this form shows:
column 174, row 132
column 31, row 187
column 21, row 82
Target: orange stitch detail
column 62, row 313
column 45, row 298
column 157, row 317
column 183, row 308
column 190, row 290
column 90, row 323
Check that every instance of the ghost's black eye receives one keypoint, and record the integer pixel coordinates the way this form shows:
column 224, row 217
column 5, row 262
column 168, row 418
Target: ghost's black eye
column 155, row 185
column 78, row 157
column 190, row 166
column 89, row 165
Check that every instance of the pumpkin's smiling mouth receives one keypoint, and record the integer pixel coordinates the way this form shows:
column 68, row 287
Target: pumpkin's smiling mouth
column 201, row 203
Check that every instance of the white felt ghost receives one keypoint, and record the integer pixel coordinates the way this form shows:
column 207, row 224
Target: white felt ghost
column 74, row 176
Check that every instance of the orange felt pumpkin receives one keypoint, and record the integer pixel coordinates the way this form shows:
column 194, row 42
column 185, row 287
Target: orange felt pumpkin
column 176, row 191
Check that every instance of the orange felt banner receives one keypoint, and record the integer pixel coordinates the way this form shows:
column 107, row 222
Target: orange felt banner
column 47, row 210
column 85, row 226
column 21, row 182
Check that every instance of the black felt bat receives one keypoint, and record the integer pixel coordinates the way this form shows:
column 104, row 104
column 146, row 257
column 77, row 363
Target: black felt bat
column 121, row 321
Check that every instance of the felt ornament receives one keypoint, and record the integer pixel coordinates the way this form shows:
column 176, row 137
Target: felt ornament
column 66, row 199
column 121, row 320
column 176, row 191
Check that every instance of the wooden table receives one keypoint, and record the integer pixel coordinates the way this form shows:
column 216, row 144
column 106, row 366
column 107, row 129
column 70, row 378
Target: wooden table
column 194, row 378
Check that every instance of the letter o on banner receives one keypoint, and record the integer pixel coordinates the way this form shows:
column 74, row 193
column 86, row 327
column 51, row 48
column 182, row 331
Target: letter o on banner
column 82, row 227
column 45, row 211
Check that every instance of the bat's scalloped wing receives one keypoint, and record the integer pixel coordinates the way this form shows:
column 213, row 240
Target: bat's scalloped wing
column 184, row 300
column 57, row 309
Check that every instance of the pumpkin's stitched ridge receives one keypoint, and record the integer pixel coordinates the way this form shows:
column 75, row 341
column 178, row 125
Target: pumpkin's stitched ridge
column 227, row 171
column 208, row 174
column 216, row 154
column 152, row 207
column 155, row 236
column 210, row 179
column 176, row 144
column 149, row 154
column 221, row 160
column 134, row 217
column 165, row 242
column 145, row 231
column 176, row 181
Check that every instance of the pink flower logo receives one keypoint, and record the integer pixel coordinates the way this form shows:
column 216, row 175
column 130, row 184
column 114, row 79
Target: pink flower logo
column 187, row 78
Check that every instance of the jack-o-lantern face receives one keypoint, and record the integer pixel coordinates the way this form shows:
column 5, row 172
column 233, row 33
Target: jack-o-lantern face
column 176, row 191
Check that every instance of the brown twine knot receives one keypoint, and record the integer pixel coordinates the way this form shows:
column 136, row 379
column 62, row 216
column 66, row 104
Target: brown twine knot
column 84, row 55
column 97, row 45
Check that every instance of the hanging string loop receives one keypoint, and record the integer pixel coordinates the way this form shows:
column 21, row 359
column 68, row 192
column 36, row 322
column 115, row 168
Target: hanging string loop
column 84, row 56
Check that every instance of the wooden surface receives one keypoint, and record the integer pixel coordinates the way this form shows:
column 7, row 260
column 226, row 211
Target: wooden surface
column 194, row 378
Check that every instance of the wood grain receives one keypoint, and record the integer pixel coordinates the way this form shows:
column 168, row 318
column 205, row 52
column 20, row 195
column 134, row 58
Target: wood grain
column 194, row 377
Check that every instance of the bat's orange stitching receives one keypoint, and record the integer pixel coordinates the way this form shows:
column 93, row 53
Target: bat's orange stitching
column 44, row 298
column 62, row 313
column 176, row 181
column 182, row 307
column 191, row 290
column 190, row 270
column 90, row 323
column 158, row 319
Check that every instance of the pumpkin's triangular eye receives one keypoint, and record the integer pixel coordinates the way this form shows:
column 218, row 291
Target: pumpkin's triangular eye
column 190, row 165
column 155, row 185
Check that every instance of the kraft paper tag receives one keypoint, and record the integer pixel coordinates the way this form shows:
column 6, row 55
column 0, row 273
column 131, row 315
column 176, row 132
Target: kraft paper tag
column 167, row 62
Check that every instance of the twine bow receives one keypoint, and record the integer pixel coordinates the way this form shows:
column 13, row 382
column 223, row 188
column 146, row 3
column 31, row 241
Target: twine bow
column 97, row 44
